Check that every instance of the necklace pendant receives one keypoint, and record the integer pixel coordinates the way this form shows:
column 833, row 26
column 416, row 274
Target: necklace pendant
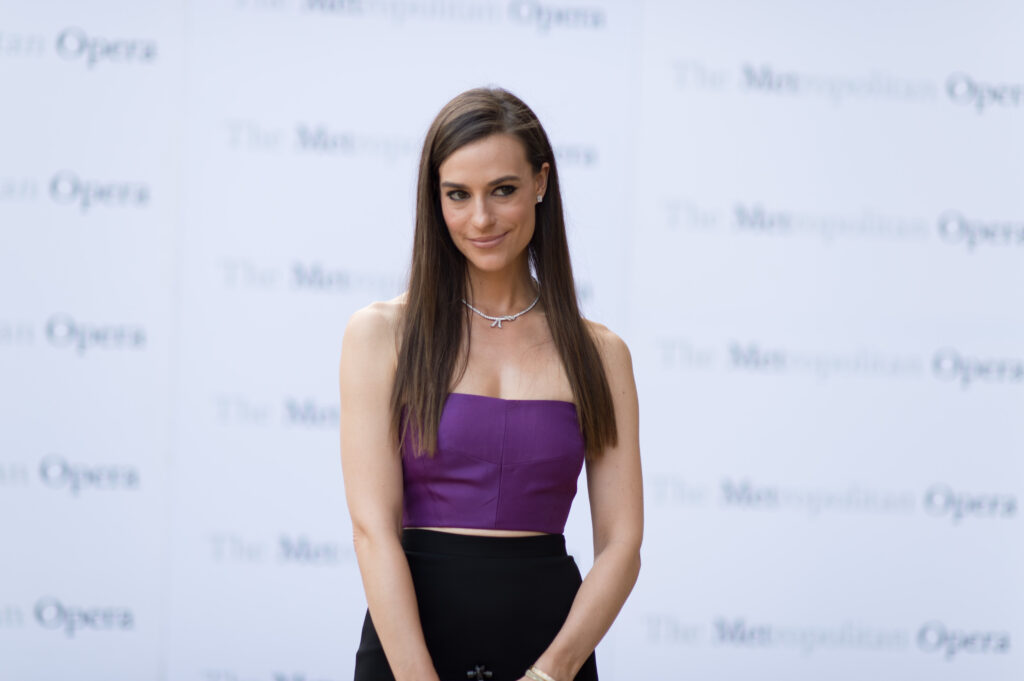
column 496, row 323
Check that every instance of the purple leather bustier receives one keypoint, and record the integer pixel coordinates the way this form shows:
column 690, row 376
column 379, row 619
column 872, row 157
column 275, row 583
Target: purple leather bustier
column 500, row 464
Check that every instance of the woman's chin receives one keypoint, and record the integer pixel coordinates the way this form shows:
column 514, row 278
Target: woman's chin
column 491, row 265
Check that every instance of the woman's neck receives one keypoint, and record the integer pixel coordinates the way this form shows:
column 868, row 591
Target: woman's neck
column 500, row 293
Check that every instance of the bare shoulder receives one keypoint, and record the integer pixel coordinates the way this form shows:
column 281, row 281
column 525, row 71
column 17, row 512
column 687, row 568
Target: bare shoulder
column 618, row 370
column 614, row 351
column 371, row 335
column 375, row 324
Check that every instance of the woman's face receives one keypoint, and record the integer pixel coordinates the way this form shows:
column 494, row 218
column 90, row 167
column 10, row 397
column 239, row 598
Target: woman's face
column 488, row 198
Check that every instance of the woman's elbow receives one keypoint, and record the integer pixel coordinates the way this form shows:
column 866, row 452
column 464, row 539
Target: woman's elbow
column 366, row 538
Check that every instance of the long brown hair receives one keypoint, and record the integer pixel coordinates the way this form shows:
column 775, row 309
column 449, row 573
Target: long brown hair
column 434, row 319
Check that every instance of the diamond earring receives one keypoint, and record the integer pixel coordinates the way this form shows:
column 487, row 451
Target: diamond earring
column 540, row 198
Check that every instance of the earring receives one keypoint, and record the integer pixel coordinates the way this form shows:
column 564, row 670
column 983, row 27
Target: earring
column 540, row 197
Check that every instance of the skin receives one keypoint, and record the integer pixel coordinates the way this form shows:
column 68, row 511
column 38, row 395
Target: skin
column 488, row 190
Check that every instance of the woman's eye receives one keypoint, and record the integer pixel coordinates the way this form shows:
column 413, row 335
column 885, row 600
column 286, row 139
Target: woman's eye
column 457, row 195
column 505, row 189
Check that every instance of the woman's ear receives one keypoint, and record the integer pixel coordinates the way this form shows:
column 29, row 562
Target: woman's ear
column 540, row 180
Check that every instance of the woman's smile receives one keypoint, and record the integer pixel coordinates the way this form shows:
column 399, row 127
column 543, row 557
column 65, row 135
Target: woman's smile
column 488, row 241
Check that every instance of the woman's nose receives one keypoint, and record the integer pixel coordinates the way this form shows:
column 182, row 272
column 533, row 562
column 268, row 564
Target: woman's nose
column 482, row 215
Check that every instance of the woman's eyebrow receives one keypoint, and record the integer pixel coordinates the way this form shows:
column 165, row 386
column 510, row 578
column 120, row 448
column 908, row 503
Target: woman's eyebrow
column 504, row 178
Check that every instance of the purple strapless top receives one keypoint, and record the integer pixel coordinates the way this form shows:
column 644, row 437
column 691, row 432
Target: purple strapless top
column 500, row 464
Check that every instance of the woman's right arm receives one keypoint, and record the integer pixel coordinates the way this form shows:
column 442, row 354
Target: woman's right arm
column 372, row 471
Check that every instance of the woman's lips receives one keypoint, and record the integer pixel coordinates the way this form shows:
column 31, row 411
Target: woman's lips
column 488, row 242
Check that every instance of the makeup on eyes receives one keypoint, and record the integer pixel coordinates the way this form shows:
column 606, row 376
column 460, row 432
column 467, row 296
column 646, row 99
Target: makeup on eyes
column 511, row 189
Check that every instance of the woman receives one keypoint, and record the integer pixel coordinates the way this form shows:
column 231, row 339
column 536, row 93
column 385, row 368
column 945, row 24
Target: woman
column 461, row 458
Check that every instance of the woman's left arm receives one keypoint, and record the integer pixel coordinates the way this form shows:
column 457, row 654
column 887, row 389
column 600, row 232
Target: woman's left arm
column 616, row 507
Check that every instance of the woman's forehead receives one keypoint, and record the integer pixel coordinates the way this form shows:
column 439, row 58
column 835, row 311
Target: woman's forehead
column 485, row 159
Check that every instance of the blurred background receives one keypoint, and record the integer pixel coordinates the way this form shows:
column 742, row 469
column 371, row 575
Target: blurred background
column 805, row 218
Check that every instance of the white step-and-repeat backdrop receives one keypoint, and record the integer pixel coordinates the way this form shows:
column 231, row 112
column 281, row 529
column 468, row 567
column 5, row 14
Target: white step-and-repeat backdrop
column 807, row 220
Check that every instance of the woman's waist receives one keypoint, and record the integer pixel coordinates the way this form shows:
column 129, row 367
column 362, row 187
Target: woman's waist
column 456, row 543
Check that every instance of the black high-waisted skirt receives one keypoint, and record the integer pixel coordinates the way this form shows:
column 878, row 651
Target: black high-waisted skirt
column 493, row 603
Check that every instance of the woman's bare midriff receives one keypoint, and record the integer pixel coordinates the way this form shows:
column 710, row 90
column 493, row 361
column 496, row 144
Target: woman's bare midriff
column 481, row 532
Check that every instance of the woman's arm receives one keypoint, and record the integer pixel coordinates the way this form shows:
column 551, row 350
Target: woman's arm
column 373, row 489
column 616, row 507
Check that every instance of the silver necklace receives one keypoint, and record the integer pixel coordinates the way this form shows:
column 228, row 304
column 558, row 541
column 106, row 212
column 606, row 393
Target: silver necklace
column 496, row 321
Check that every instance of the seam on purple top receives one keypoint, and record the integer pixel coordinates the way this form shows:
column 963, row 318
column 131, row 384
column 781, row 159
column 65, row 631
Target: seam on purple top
column 501, row 460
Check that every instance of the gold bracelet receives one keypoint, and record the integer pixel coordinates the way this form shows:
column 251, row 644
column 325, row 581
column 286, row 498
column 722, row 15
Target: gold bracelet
column 535, row 674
